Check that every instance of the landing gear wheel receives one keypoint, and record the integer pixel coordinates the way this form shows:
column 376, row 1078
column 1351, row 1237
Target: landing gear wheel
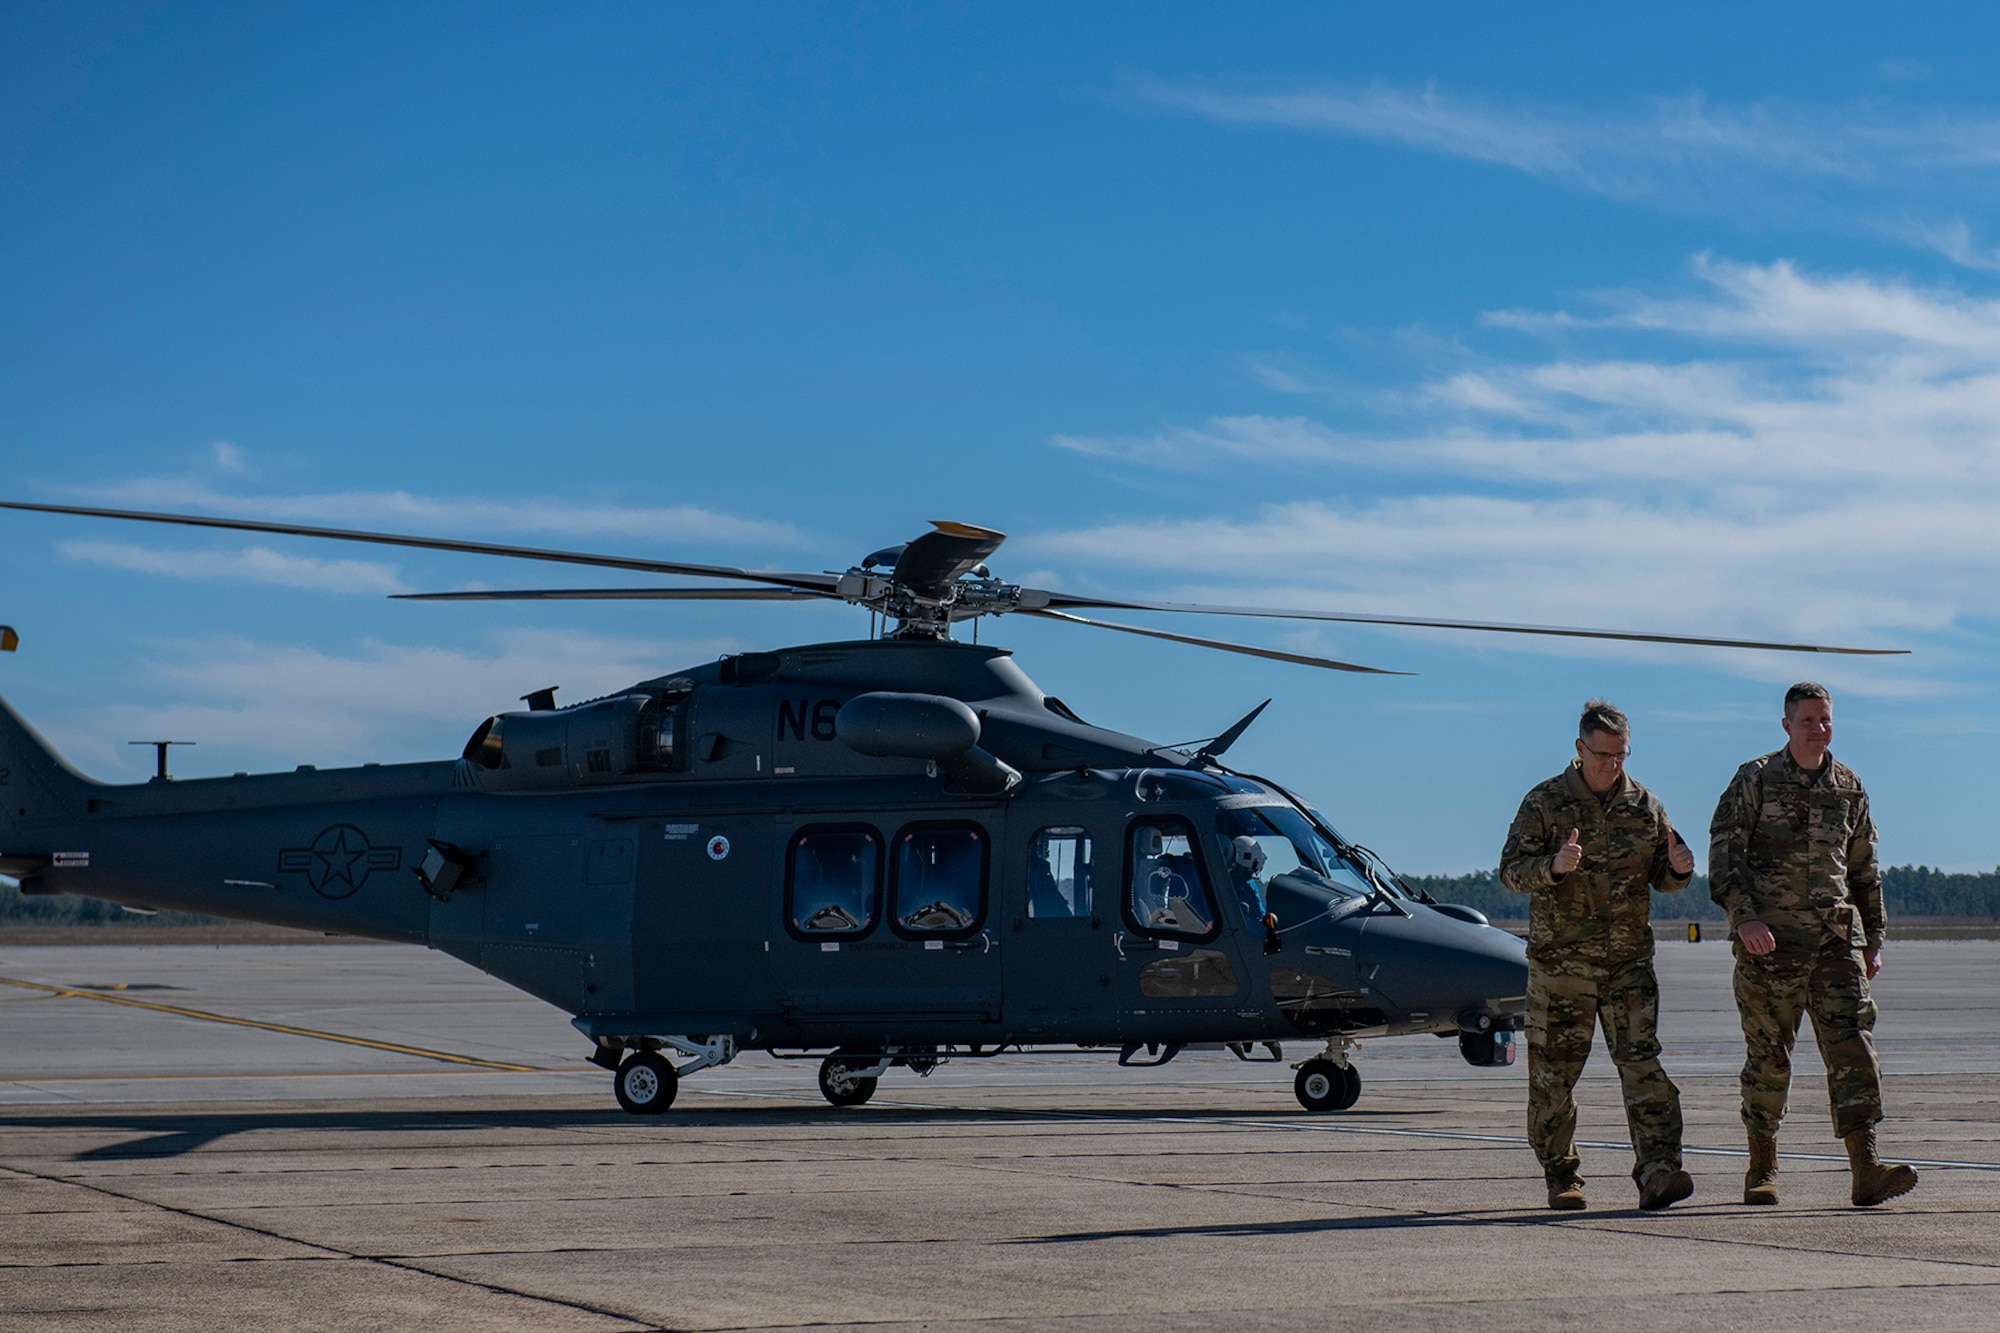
column 1323, row 1085
column 645, row 1083
column 1352, row 1094
column 1487, row 1050
column 841, row 1085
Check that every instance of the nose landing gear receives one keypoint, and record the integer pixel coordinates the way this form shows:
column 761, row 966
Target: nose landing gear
column 1328, row 1081
column 1322, row 1085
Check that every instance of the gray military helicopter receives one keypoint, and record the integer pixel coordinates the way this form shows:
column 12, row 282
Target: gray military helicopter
column 881, row 853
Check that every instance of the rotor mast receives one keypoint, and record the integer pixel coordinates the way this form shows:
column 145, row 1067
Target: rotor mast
column 927, row 588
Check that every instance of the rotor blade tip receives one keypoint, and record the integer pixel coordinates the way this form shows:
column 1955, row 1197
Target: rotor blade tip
column 952, row 529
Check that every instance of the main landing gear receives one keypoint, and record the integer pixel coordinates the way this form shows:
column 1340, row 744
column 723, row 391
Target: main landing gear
column 847, row 1081
column 849, row 1077
column 641, row 1076
column 646, row 1083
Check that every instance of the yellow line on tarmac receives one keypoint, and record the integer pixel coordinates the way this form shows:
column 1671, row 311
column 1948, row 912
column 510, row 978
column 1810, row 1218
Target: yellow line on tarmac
column 35, row 1080
column 445, row 1056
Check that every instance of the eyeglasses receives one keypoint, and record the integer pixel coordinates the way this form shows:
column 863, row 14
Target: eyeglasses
column 1613, row 756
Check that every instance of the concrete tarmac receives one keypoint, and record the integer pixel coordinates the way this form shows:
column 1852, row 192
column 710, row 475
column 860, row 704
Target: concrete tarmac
column 395, row 1140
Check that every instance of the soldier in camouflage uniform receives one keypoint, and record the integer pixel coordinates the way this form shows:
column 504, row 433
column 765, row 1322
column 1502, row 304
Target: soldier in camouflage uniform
column 1588, row 846
column 1792, row 861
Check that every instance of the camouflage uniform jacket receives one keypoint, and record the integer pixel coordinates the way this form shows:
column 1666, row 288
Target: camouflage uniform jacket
column 1598, row 916
column 1796, row 851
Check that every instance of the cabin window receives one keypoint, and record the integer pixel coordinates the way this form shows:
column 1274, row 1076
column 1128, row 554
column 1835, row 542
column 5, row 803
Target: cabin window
column 1166, row 892
column 1059, row 873
column 831, row 879
column 939, row 882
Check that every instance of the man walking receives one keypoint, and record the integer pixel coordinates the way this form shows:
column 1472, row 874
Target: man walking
column 1792, row 861
column 1588, row 845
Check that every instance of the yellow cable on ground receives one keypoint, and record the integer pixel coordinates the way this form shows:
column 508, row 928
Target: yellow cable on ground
column 446, row 1056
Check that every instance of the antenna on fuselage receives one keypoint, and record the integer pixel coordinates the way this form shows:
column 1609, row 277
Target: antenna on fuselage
column 161, row 746
column 1214, row 748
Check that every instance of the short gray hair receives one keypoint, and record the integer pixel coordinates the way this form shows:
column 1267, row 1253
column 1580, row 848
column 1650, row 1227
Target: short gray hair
column 1804, row 690
column 1599, row 716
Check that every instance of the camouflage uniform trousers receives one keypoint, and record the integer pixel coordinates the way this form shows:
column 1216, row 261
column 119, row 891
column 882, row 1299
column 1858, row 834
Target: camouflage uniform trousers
column 1563, row 1010
column 1772, row 994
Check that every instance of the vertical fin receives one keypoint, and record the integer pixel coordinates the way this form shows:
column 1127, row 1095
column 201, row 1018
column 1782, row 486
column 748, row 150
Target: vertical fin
column 35, row 783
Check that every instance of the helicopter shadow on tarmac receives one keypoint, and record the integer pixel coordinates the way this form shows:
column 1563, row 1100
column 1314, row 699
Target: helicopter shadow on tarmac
column 176, row 1134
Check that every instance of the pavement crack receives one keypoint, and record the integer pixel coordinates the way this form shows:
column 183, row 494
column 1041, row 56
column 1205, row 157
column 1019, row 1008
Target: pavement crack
column 332, row 1253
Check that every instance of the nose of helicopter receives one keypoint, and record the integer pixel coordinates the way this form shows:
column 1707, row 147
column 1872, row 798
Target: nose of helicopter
column 1432, row 962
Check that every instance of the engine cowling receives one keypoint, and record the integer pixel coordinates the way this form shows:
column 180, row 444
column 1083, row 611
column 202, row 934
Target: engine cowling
column 601, row 741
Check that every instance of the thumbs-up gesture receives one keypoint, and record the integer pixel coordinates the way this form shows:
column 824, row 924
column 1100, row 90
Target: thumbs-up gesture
column 1569, row 856
column 1679, row 857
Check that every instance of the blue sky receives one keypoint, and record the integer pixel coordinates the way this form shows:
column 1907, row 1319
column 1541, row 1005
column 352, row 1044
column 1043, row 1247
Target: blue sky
column 1684, row 322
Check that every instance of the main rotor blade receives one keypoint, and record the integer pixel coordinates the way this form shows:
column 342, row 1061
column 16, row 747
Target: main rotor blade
column 933, row 562
column 1225, row 646
column 788, row 580
column 1059, row 599
column 620, row 595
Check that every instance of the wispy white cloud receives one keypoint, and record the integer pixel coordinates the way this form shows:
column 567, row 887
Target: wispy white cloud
column 1804, row 457
column 275, row 705
column 670, row 528
column 1282, row 378
column 1612, row 149
column 1246, row 438
column 1954, row 240
column 256, row 564
column 1684, row 153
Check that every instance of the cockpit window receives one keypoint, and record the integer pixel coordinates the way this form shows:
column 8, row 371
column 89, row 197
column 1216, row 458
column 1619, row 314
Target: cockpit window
column 1166, row 892
column 940, row 880
column 830, row 882
column 1059, row 874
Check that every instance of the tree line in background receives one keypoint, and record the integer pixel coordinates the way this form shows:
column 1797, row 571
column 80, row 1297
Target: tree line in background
column 1911, row 891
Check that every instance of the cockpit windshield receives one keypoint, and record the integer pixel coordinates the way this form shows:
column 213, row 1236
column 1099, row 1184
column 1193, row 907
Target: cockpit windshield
column 1291, row 843
column 1359, row 854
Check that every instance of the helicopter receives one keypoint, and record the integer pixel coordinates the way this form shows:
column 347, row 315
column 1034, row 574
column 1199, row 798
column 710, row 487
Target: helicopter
column 881, row 853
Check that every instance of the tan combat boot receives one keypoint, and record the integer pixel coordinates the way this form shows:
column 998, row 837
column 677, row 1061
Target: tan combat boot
column 1664, row 1188
column 1760, row 1182
column 1566, row 1195
column 1875, row 1180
